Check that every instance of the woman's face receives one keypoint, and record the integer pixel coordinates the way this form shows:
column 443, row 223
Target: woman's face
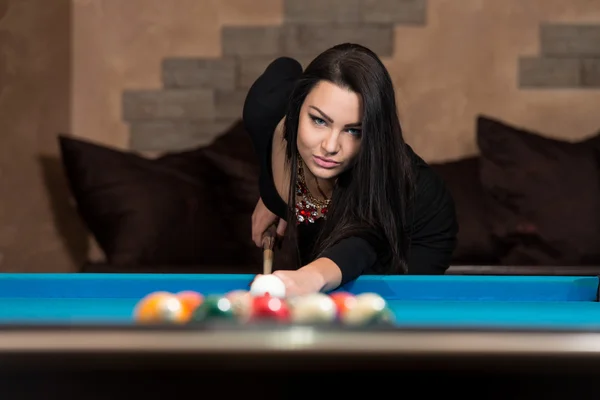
column 329, row 129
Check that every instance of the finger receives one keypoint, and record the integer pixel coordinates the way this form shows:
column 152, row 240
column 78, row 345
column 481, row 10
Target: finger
column 279, row 274
column 283, row 276
column 257, row 234
column 290, row 286
column 281, row 226
column 257, row 237
column 280, row 234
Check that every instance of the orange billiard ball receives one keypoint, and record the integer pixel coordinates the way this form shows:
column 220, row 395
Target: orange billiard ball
column 344, row 301
column 160, row 307
column 190, row 300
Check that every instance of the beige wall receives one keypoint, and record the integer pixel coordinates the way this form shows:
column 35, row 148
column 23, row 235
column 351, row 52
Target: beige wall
column 119, row 45
column 465, row 62
column 64, row 65
column 37, row 229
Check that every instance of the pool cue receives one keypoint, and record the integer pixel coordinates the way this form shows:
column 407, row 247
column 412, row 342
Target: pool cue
column 268, row 245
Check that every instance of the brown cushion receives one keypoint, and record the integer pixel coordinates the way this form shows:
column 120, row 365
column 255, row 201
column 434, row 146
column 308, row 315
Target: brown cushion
column 185, row 208
column 543, row 195
column 474, row 246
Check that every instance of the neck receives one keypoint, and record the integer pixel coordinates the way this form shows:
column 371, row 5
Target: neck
column 320, row 188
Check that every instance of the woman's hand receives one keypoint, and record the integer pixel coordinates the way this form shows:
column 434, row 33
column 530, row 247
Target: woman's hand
column 300, row 282
column 262, row 219
column 321, row 275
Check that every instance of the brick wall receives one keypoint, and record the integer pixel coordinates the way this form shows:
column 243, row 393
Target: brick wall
column 199, row 98
column 569, row 58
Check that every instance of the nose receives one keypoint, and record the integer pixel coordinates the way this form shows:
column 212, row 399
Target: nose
column 331, row 143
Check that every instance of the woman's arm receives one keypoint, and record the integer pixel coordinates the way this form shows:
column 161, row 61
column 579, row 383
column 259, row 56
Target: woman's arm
column 435, row 227
column 433, row 235
column 342, row 263
column 267, row 98
column 263, row 112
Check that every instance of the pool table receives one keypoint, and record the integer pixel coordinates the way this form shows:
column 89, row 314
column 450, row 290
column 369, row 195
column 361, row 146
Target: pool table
column 448, row 327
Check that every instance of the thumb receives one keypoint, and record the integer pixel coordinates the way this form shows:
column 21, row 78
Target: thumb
column 281, row 226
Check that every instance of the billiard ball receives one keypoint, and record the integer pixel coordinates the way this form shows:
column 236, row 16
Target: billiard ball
column 241, row 303
column 368, row 309
column 268, row 284
column 314, row 308
column 213, row 307
column 160, row 307
column 343, row 302
column 190, row 300
column 268, row 308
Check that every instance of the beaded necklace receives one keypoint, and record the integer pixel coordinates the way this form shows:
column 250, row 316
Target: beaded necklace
column 308, row 208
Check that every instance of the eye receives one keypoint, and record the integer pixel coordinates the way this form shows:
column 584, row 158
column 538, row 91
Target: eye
column 317, row 120
column 354, row 132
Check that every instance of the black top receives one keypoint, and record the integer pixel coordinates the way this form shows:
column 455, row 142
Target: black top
column 434, row 228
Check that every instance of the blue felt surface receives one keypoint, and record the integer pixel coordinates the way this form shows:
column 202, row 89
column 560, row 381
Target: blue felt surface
column 469, row 288
column 547, row 315
column 552, row 315
column 548, row 302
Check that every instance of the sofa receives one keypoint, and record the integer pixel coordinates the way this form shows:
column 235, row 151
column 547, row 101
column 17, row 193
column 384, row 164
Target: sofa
column 526, row 204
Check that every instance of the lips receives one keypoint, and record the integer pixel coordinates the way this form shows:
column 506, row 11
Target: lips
column 325, row 163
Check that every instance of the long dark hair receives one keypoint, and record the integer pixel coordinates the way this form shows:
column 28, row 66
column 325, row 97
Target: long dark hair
column 371, row 198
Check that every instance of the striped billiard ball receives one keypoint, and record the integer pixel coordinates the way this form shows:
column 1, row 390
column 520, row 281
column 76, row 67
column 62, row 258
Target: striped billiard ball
column 241, row 304
column 368, row 309
column 315, row 308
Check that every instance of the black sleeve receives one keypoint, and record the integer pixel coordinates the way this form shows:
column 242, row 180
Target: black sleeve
column 353, row 256
column 432, row 231
column 264, row 107
column 435, row 227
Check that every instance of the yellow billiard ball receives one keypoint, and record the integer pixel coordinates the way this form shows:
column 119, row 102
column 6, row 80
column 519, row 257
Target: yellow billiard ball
column 160, row 307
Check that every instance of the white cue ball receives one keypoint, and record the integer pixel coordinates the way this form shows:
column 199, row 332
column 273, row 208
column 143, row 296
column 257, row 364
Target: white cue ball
column 313, row 308
column 366, row 308
column 268, row 284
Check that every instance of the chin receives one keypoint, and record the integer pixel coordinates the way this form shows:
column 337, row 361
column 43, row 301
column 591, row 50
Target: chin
column 325, row 173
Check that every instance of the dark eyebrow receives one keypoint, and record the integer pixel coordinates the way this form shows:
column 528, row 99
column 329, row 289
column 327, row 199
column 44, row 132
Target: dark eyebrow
column 330, row 120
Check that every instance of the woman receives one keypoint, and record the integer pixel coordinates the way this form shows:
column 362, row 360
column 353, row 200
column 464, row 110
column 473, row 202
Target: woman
column 337, row 176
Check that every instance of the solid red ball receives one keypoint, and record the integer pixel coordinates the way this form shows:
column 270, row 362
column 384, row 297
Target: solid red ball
column 268, row 308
